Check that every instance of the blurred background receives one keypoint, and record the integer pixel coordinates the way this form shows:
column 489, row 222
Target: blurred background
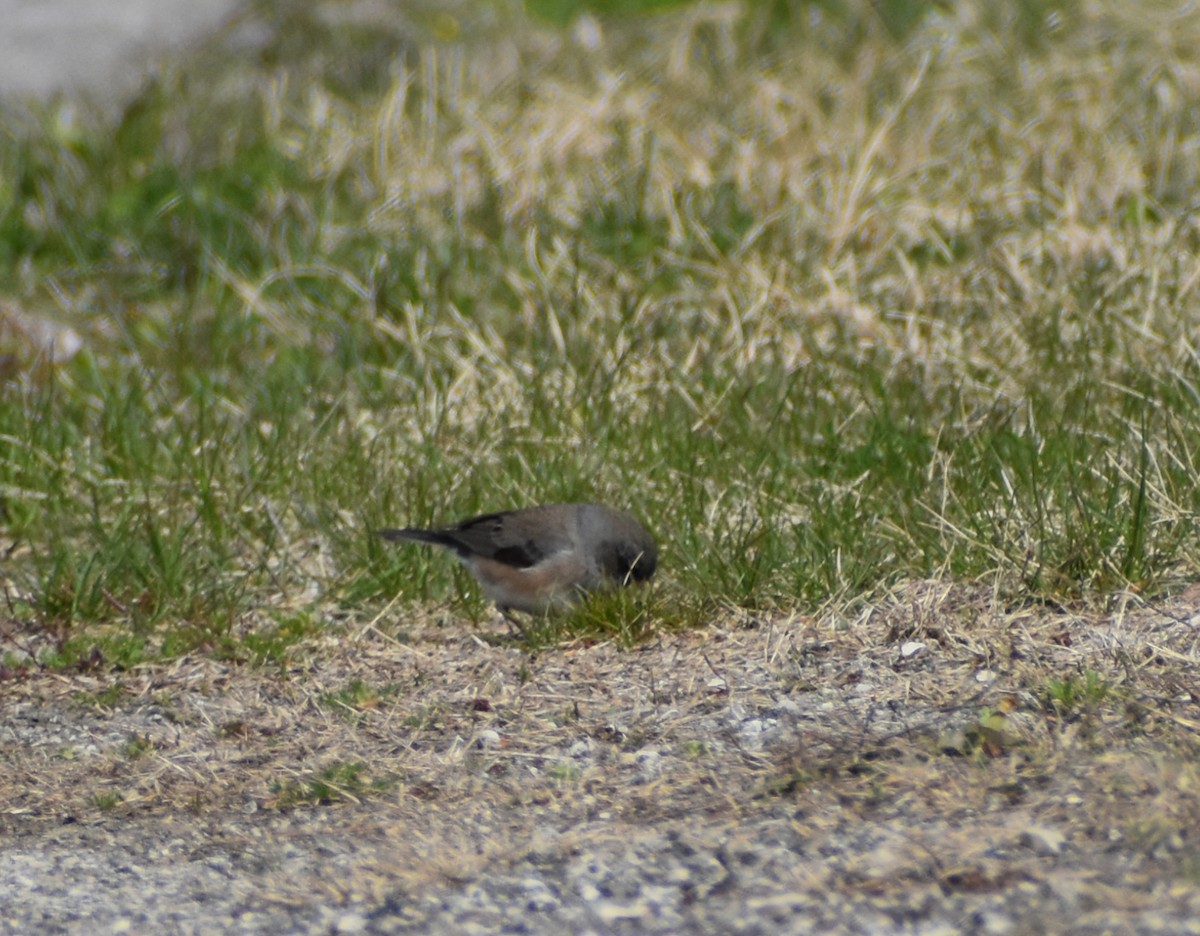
column 101, row 46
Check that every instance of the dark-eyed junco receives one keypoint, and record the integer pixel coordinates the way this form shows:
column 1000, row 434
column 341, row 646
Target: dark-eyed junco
column 546, row 557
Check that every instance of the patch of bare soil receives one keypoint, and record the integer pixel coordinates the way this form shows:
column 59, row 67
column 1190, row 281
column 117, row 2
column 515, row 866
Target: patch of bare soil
column 935, row 762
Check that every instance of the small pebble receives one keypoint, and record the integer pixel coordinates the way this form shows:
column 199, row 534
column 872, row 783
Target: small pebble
column 1042, row 840
column 350, row 923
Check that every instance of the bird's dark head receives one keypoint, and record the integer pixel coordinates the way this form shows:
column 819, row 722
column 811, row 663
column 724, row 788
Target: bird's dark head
column 627, row 562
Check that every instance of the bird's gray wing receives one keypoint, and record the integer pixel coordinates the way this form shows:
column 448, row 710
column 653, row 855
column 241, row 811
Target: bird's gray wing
column 519, row 538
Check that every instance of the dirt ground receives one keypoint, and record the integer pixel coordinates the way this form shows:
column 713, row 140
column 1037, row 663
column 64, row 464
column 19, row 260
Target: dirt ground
column 934, row 762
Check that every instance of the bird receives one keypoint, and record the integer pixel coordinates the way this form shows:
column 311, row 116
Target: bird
column 538, row 559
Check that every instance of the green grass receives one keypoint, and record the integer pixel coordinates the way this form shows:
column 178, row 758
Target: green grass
column 1075, row 695
column 107, row 802
column 341, row 781
column 358, row 697
column 830, row 302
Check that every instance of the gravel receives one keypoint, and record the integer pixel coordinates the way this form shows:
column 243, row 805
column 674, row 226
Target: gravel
column 803, row 788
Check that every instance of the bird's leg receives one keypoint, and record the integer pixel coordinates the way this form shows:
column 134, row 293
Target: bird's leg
column 515, row 627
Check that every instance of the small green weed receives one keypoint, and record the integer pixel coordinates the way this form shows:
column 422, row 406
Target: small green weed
column 1076, row 695
column 138, row 745
column 104, row 698
column 107, row 802
column 341, row 781
column 424, row 718
column 564, row 772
